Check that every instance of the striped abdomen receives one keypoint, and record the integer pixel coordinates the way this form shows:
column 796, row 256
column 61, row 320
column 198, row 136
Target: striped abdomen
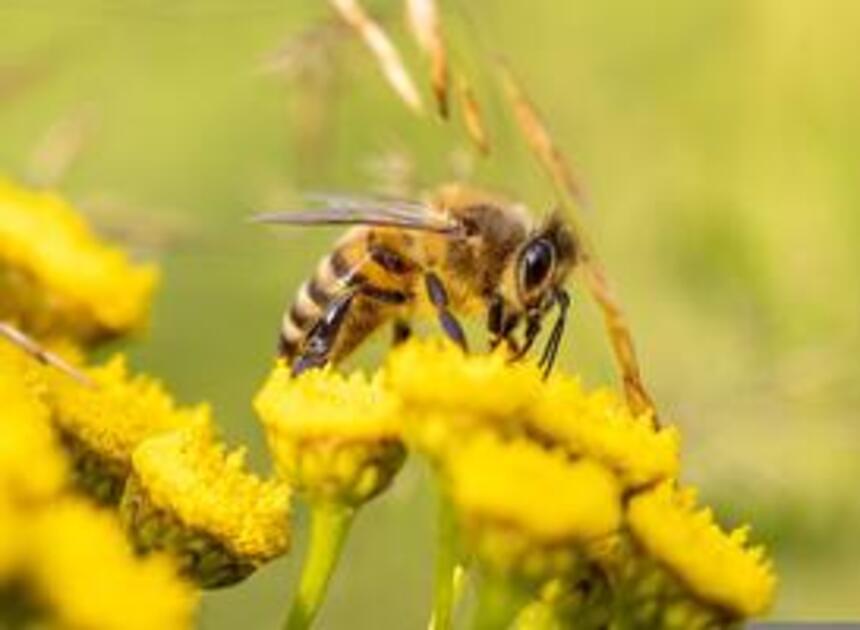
column 365, row 261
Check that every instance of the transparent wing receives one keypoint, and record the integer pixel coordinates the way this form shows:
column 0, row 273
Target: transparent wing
column 345, row 209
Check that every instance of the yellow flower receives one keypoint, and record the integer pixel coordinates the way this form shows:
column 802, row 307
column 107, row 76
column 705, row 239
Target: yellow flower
column 84, row 575
column 189, row 495
column 32, row 467
column 719, row 568
column 439, row 376
column 447, row 394
column 57, row 277
column 600, row 425
column 518, row 500
column 101, row 425
column 333, row 437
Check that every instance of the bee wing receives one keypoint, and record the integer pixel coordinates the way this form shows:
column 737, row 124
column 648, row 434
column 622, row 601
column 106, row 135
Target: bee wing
column 341, row 209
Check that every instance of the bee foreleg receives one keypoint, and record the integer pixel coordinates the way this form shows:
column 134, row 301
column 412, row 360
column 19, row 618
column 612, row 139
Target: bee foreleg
column 533, row 327
column 551, row 350
column 439, row 299
column 501, row 325
column 320, row 340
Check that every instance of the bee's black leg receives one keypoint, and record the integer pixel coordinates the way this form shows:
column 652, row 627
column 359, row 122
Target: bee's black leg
column 319, row 341
column 495, row 320
column 401, row 331
column 533, row 327
column 501, row 325
column 550, row 352
column 439, row 299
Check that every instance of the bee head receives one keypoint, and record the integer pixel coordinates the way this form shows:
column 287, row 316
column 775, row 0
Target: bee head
column 543, row 263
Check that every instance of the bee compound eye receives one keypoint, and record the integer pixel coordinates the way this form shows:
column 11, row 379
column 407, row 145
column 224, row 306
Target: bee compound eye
column 536, row 264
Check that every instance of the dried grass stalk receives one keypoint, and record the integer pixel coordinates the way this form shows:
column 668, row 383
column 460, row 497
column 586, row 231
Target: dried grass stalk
column 473, row 118
column 426, row 26
column 551, row 158
column 383, row 49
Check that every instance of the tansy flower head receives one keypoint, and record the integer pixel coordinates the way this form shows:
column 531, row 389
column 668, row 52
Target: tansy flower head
column 81, row 573
column 102, row 424
column 190, row 496
column 446, row 394
column 441, row 376
column 56, row 277
column 601, row 426
column 333, row 437
column 525, row 508
column 718, row 568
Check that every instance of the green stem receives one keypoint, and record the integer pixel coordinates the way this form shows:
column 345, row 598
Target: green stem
column 499, row 602
column 446, row 582
column 329, row 526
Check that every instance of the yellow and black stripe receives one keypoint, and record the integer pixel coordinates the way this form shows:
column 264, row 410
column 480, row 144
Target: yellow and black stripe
column 334, row 274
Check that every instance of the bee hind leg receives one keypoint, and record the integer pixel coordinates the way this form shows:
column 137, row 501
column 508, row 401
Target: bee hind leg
column 439, row 299
column 319, row 342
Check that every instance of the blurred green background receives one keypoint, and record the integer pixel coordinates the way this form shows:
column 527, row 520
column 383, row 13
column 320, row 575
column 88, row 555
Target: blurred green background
column 720, row 140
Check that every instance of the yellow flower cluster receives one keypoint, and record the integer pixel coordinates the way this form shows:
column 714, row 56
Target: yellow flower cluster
column 533, row 467
column 332, row 437
column 190, row 495
column 69, row 564
column 718, row 567
column 57, row 278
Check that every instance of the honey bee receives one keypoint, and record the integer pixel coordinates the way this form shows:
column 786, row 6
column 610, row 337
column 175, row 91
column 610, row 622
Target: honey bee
column 463, row 252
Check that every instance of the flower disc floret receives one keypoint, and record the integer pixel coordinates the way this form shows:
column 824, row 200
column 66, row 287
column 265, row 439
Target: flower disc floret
column 332, row 436
column 719, row 568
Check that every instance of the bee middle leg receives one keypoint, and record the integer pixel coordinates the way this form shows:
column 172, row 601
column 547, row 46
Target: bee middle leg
column 439, row 299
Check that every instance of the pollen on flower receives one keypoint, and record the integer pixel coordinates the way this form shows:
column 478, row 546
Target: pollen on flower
column 440, row 376
column 85, row 574
column 191, row 475
column 332, row 436
column 58, row 278
column 600, row 425
column 544, row 494
column 104, row 423
column 322, row 403
column 720, row 568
